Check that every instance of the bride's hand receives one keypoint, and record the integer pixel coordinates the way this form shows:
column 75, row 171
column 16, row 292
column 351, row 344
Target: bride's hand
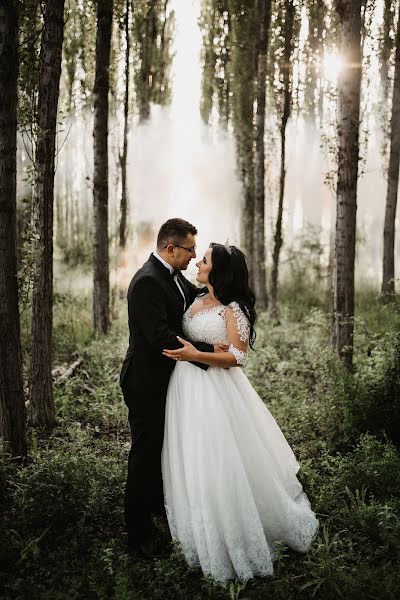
column 188, row 352
column 221, row 347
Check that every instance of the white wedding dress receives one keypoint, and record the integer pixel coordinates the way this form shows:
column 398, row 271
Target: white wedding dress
column 229, row 475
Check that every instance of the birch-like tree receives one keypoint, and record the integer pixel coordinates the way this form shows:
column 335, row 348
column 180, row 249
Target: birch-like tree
column 286, row 72
column 216, row 57
column 101, row 266
column 243, row 70
column 263, row 17
column 388, row 280
column 152, row 33
column 124, row 155
column 348, row 13
column 40, row 379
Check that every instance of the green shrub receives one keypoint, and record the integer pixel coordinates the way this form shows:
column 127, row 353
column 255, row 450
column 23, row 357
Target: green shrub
column 375, row 406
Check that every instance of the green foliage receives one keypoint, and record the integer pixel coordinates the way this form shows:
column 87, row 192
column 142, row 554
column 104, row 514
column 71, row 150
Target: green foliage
column 375, row 405
column 153, row 27
column 31, row 23
column 305, row 275
column 78, row 54
column 215, row 23
column 75, row 252
column 28, row 256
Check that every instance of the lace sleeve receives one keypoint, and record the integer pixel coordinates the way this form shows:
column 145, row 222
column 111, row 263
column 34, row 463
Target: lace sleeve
column 238, row 332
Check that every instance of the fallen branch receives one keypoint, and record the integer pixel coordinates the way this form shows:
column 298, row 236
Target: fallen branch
column 61, row 374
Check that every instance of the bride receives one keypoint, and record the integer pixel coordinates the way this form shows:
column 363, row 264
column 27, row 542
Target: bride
column 230, row 484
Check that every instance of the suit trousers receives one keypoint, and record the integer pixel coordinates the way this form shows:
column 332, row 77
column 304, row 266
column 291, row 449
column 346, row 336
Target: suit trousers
column 144, row 486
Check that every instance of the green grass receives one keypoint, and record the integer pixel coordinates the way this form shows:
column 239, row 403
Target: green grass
column 61, row 525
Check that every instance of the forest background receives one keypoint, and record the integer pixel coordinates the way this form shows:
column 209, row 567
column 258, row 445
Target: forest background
column 273, row 123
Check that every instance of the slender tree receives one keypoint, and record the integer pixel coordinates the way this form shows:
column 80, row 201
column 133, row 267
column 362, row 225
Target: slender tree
column 216, row 57
column 349, row 35
column 388, row 285
column 243, row 69
column 40, row 381
column 223, row 64
column 124, row 155
column 209, row 19
column 152, row 34
column 12, row 406
column 314, row 50
column 101, row 283
column 263, row 17
column 30, row 28
column 147, row 33
column 161, row 55
column 286, row 69
column 386, row 44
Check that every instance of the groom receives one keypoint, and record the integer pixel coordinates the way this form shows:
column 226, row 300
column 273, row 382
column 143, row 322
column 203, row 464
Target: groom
column 158, row 295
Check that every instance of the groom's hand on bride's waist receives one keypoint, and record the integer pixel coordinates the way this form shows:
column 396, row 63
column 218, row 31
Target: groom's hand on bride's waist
column 186, row 352
column 189, row 352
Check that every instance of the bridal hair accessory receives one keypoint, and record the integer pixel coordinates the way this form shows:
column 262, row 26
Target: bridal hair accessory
column 228, row 247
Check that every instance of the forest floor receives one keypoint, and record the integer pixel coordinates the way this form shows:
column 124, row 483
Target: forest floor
column 61, row 527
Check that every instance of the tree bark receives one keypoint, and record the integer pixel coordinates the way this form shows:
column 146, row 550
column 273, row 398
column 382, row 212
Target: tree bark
column 243, row 63
column 101, row 284
column 263, row 12
column 226, row 113
column 12, row 406
column 386, row 47
column 123, row 157
column 349, row 34
column 144, row 92
column 287, row 102
column 209, row 61
column 316, row 11
column 388, row 285
column 40, row 381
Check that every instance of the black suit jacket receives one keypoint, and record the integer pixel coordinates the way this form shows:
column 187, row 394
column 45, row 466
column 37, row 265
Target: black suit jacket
column 155, row 311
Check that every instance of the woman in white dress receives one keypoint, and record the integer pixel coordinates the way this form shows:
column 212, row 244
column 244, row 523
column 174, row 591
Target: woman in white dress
column 229, row 475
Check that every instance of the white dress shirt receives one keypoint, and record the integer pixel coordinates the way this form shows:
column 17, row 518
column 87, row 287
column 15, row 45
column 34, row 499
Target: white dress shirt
column 171, row 270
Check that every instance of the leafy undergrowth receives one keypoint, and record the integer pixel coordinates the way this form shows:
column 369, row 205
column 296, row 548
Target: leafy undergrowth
column 61, row 527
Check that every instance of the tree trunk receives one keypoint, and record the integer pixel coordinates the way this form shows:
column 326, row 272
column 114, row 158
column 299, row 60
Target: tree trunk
column 386, row 48
column 316, row 12
column 388, row 287
column 243, row 37
column 12, row 406
column 123, row 157
column 287, row 101
column 145, row 60
column 40, row 383
column 101, row 284
column 209, row 61
column 349, row 35
column 160, row 75
column 263, row 12
column 226, row 114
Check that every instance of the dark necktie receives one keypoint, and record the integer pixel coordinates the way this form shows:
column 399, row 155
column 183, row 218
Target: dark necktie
column 174, row 274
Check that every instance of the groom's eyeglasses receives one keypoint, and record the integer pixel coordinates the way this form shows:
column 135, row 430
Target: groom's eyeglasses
column 192, row 250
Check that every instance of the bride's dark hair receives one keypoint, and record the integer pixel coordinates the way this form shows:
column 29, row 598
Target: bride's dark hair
column 229, row 277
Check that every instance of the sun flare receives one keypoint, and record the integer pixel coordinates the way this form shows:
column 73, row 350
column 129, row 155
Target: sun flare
column 332, row 65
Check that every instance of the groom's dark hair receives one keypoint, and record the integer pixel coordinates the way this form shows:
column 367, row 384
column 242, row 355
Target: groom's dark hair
column 174, row 231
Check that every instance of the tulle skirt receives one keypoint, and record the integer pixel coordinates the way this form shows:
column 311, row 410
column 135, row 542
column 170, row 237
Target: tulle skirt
column 229, row 476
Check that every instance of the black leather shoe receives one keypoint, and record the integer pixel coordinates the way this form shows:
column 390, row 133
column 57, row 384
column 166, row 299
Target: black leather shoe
column 146, row 548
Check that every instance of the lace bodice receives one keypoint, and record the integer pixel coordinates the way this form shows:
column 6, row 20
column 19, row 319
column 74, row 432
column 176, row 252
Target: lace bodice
column 217, row 325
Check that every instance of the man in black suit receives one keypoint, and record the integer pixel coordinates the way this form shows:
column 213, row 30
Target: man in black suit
column 158, row 295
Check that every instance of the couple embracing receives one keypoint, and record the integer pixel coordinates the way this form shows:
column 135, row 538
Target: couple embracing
column 205, row 448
